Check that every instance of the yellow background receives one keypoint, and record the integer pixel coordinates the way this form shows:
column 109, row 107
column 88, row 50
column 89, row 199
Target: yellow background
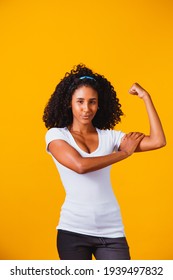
column 127, row 41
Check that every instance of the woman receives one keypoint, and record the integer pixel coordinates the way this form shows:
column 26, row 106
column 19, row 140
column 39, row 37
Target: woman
column 80, row 116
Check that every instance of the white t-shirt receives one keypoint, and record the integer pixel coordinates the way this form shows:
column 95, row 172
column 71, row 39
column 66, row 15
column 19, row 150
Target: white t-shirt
column 90, row 206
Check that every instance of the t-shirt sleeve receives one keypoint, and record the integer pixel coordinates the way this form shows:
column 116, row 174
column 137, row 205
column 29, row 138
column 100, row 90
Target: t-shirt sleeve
column 54, row 134
column 117, row 136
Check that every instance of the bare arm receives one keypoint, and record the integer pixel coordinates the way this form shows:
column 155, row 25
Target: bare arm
column 69, row 157
column 156, row 138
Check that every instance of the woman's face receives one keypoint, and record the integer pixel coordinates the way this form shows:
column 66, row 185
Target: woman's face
column 84, row 104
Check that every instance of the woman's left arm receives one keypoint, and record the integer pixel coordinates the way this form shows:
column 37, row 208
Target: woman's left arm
column 156, row 139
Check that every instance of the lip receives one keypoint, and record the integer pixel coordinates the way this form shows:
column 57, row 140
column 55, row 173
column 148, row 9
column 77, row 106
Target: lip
column 86, row 117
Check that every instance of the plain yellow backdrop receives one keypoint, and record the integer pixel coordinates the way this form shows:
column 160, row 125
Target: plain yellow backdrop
column 127, row 41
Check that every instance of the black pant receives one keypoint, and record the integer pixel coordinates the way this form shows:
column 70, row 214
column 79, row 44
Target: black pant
column 75, row 246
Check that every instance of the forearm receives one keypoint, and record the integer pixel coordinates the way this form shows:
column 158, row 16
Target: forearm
column 156, row 135
column 89, row 164
column 128, row 146
column 66, row 155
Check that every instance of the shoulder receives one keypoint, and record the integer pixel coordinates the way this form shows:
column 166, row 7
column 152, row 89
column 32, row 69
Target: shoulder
column 56, row 133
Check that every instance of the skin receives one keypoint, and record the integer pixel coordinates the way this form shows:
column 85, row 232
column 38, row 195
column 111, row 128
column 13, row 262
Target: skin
column 84, row 107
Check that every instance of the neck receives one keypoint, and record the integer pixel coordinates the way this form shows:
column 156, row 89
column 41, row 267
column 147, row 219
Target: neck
column 82, row 129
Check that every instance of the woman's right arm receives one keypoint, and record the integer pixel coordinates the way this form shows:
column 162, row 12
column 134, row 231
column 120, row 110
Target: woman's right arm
column 70, row 158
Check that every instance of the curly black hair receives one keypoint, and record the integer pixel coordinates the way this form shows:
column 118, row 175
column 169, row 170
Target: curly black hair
column 58, row 113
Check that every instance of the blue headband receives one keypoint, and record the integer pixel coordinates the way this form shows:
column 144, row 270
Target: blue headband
column 87, row 77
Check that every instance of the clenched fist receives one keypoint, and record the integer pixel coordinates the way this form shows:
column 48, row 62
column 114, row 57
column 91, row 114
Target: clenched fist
column 136, row 89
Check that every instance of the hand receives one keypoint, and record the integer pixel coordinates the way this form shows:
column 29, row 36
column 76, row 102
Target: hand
column 130, row 142
column 136, row 89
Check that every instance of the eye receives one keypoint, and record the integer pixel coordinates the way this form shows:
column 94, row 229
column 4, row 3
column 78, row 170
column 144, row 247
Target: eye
column 93, row 102
column 80, row 101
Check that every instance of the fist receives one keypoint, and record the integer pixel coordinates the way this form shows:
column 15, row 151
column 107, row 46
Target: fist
column 136, row 89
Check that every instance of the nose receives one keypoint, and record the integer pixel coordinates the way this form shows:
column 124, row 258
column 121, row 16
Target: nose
column 86, row 107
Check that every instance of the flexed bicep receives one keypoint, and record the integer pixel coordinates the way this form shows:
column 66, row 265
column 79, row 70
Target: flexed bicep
column 156, row 138
column 130, row 142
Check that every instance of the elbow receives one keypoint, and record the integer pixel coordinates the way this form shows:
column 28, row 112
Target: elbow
column 80, row 168
column 163, row 143
column 160, row 144
column 81, row 171
column 79, row 165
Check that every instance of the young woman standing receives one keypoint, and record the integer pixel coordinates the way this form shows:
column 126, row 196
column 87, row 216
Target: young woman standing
column 80, row 116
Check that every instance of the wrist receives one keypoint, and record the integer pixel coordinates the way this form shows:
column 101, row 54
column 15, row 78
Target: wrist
column 145, row 95
column 124, row 153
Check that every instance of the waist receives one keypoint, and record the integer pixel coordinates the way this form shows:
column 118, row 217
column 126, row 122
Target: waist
column 89, row 205
column 103, row 218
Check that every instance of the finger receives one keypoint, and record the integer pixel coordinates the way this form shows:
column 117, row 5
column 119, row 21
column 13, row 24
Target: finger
column 141, row 137
column 134, row 134
column 129, row 134
column 124, row 137
column 139, row 133
column 132, row 91
column 133, row 87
